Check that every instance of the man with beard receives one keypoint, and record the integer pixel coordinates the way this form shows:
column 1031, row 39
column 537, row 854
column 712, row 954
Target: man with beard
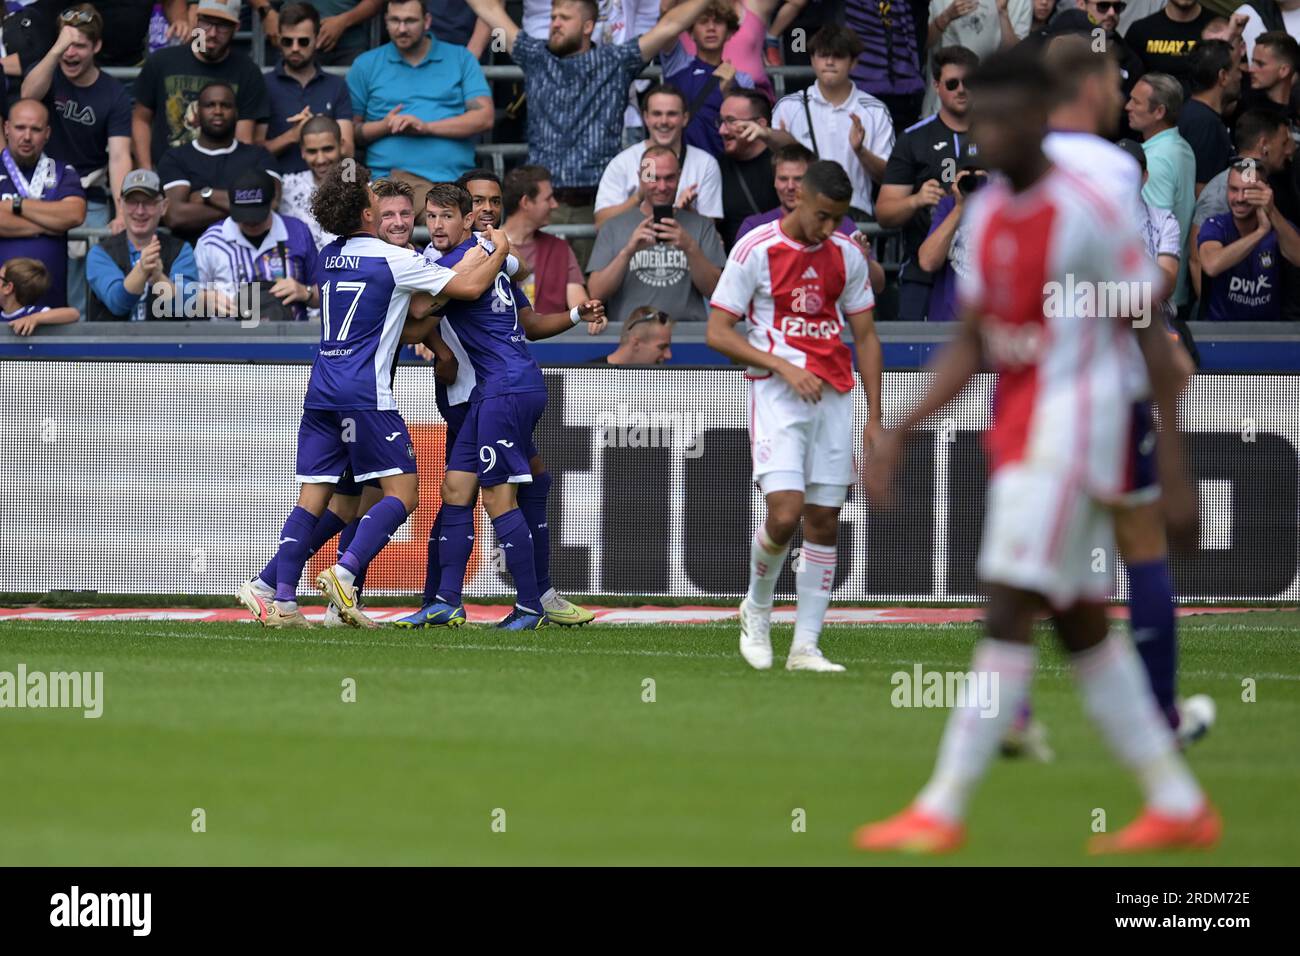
column 577, row 93
column 168, row 87
column 321, row 147
column 418, row 103
column 40, row 199
column 198, row 175
column 1263, row 138
column 300, row 90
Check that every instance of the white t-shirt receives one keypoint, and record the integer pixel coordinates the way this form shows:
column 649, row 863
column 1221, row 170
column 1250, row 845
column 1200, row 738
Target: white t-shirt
column 833, row 126
column 1255, row 26
column 979, row 31
column 295, row 201
column 537, row 19
column 622, row 177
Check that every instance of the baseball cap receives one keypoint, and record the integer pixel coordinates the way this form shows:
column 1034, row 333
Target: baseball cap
column 220, row 9
column 1135, row 150
column 251, row 196
column 142, row 181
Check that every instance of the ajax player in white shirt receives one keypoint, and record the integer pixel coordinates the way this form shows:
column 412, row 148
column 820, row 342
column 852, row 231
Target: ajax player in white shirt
column 1059, row 463
column 798, row 282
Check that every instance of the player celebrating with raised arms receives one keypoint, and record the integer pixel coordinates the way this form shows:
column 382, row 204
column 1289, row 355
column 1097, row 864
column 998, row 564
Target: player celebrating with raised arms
column 494, row 447
column 1058, row 455
column 350, row 421
column 797, row 281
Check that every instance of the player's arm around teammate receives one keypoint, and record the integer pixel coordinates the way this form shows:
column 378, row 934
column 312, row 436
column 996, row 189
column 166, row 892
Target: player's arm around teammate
column 554, row 323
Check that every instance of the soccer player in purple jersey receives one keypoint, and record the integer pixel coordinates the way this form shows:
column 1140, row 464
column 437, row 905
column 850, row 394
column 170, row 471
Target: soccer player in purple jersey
column 351, row 500
column 350, row 421
column 493, row 448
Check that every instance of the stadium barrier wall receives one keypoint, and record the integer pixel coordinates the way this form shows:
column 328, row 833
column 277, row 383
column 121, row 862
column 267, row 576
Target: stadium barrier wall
column 159, row 477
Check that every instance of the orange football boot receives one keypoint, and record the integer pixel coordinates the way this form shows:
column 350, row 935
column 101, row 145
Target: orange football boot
column 912, row 831
column 1156, row 831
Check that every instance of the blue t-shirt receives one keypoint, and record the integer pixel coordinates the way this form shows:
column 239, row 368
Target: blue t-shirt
column 489, row 331
column 83, row 118
column 51, row 250
column 1251, row 291
column 440, row 87
column 365, row 287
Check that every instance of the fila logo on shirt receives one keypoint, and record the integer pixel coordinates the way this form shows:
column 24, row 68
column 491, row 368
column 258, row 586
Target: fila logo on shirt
column 71, row 111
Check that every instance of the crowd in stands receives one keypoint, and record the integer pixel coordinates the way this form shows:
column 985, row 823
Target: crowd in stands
column 198, row 170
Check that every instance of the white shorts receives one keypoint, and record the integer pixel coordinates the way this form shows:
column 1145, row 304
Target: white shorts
column 807, row 443
column 1043, row 533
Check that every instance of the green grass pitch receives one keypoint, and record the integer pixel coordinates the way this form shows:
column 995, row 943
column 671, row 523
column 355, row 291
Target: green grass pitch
column 450, row 727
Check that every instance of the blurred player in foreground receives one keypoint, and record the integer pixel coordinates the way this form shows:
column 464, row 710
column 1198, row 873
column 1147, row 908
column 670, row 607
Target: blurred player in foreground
column 350, row 421
column 493, row 446
column 1087, row 112
column 797, row 281
column 1058, row 454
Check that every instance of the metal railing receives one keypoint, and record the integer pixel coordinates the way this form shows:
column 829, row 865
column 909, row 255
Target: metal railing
column 496, row 72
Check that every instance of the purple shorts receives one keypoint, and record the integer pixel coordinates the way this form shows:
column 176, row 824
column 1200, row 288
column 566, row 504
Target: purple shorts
column 361, row 444
column 454, row 416
column 1140, row 478
column 496, row 441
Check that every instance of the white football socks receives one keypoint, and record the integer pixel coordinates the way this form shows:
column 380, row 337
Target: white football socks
column 813, row 582
column 972, row 735
column 1117, row 696
column 765, row 561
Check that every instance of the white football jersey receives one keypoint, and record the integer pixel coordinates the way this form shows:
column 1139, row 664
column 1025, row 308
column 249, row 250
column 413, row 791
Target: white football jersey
column 795, row 298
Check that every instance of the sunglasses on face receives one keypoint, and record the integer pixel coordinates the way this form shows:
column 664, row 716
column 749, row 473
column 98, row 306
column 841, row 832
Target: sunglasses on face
column 1106, row 6
column 290, row 42
column 952, row 84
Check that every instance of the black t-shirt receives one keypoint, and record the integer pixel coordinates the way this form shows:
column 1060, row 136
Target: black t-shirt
column 196, row 167
column 170, row 83
column 126, row 31
column 1205, row 133
column 929, row 150
column 757, row 176
column 1163, row 45
column 82, row 118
